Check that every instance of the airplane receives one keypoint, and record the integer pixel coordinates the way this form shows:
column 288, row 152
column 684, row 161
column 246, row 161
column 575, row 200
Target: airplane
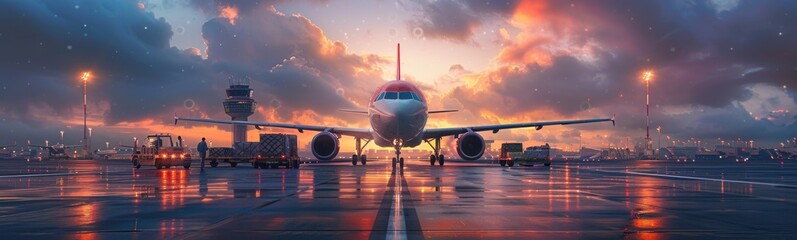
column 397, row 112
column 57, row 151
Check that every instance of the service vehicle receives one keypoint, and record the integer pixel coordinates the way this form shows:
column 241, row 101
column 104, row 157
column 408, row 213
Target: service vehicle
column 512, row 153
column 160, row 151
column 506, row 148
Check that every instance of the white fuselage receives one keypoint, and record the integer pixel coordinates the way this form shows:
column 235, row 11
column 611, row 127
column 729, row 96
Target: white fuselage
column 400, row 120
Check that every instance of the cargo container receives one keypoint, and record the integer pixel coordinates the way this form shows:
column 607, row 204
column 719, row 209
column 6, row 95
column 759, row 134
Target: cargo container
column 277, row 150
column 272, row 151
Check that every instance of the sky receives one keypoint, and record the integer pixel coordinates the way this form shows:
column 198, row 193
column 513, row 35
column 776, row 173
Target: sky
column 722, row 69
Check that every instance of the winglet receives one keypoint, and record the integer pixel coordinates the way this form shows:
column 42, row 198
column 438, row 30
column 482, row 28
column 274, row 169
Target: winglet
column 175, row 119
column 398, row 62
column 613, row 123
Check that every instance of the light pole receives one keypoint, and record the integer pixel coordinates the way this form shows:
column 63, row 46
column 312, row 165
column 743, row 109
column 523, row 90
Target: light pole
column 85, row 78
column 648, row 143
column 62, row 136
column 89, row 143
column 107, row 145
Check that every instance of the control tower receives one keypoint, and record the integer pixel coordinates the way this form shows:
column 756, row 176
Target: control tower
column 239, row 105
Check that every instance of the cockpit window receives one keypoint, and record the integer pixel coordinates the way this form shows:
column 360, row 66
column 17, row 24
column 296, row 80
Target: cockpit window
column 398, row 95
column 405, row 95
column 415, row 96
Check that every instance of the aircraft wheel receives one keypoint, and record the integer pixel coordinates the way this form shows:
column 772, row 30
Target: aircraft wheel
column 547, row 164
column 401, row 163
column 168, row 166
column 363, row 159
column 214, row 164
column 233, row 164
column 511, row 163
column 186, row 165
column 441, row 159
column 432, row 159
column 354, row 160
column 394, row 162
column 502, row 162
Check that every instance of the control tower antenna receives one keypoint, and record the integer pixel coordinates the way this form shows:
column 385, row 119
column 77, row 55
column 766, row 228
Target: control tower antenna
column 239, row 105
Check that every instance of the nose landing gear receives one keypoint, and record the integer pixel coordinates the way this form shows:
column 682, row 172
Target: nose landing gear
column 398, row 143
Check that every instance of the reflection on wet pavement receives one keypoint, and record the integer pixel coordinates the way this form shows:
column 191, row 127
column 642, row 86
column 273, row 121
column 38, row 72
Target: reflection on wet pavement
column 646, row 200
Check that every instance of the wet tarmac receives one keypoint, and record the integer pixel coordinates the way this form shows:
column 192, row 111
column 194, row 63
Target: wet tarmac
column 85, row 199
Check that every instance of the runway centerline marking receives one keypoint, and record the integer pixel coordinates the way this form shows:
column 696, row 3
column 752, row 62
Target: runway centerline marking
column 396, row 227
column 397, row 218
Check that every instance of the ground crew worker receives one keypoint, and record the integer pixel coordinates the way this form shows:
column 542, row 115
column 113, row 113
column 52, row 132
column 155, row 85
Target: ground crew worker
column 202, row 147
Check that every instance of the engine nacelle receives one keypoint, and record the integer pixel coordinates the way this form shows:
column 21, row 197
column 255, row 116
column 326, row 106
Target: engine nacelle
column 325, row 146
column 470, row 146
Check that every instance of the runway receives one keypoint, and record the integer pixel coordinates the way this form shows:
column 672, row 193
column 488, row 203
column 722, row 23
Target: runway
column 107, row 199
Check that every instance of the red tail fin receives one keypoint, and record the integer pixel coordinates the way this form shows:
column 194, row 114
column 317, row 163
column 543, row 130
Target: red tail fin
column 398, row 62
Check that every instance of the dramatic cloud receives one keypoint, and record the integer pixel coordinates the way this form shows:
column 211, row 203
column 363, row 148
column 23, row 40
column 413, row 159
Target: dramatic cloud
column 454, row 20
column 290, row 58
column 585, row 58
column 138, row 77
column 46, row 46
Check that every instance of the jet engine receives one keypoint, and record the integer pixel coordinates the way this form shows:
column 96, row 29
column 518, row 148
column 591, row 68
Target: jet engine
column 470, row 146
column 325, row 146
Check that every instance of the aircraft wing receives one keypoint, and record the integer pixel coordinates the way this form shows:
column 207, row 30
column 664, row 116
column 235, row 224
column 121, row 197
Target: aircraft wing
column 357, row 111
column 38, row 146
column 442, row 132
column 72, row 146
column 443, row 111
column 8, row 146
column 363, row 133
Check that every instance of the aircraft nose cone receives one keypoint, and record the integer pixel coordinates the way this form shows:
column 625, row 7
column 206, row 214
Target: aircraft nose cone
column 402, row 111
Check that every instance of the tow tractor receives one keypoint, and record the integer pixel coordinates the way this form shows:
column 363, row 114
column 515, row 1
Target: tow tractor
column 157, row 153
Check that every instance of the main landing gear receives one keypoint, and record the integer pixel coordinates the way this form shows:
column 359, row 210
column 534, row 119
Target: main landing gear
column 436, row 157
column 360, row 156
